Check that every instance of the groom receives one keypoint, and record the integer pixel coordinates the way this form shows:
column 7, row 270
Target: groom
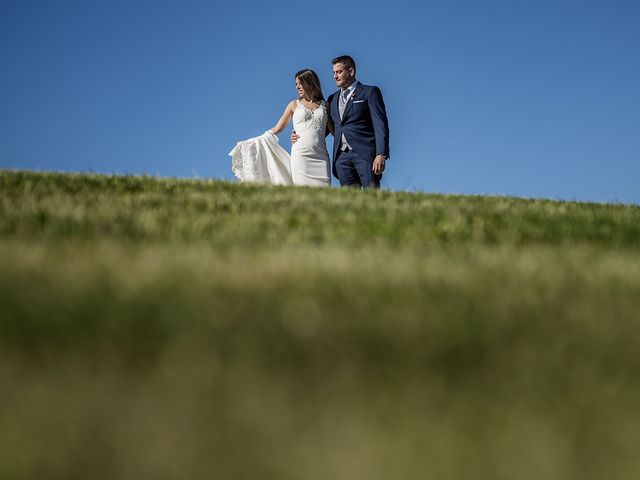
column 361, row 128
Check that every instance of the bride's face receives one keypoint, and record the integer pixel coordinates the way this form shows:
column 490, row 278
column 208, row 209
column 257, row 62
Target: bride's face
column 300, row 89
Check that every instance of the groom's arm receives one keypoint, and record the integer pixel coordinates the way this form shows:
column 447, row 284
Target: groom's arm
column 330, row 126
column 380, row 122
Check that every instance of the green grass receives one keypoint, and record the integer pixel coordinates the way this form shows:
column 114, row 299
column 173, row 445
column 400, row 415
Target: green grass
column 162, row 328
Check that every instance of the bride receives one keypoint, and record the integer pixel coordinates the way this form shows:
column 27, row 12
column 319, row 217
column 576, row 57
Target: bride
column 262, row 159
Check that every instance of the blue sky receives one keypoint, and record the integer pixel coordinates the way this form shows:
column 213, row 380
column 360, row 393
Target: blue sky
column 537, row 98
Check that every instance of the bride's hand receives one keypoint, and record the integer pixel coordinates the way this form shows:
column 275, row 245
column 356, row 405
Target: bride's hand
column 294, row 136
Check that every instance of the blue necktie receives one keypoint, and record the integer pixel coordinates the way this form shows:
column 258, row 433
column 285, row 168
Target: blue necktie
column 343, row 101
column 341, row 107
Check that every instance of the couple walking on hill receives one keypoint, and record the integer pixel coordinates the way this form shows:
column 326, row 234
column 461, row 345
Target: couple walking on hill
column 356, row 117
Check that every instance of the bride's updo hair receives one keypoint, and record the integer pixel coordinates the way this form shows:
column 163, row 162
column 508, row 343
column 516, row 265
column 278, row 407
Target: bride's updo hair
column 311, row 84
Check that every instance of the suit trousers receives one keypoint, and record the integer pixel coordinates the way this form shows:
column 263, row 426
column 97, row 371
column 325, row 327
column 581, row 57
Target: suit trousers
column 355, row 171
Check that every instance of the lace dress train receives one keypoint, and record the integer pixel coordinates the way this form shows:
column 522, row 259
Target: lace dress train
column 261, row 159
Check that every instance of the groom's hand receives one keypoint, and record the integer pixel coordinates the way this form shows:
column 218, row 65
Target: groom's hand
column 294, row 136
column 379, row 164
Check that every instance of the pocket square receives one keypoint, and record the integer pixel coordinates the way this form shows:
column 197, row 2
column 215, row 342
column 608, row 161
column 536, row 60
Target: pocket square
column 358, row 101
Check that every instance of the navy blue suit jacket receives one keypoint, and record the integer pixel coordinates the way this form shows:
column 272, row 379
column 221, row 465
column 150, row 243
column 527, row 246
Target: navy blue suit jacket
column 364, row 123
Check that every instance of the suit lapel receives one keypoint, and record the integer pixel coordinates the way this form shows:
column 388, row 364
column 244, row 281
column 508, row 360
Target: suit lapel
column 334, row 106
column 355, row 95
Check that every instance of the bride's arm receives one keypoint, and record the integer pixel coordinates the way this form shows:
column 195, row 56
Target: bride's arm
column 285, row 119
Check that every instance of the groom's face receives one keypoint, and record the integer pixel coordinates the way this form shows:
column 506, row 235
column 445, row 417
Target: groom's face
column 342, row 75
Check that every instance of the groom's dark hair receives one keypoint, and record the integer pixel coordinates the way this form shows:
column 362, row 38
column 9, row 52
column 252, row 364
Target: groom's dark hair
column 346, row 60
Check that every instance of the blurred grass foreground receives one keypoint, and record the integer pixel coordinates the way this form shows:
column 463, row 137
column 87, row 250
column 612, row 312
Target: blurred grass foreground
column 159, row 328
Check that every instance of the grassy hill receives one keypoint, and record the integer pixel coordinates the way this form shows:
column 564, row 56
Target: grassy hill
column 163, row 328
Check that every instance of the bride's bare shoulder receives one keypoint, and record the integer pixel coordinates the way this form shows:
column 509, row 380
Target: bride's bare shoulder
column 292, row 105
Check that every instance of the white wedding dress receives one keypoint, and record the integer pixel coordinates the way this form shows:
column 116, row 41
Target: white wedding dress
column 309, row 156
column 262, row 159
